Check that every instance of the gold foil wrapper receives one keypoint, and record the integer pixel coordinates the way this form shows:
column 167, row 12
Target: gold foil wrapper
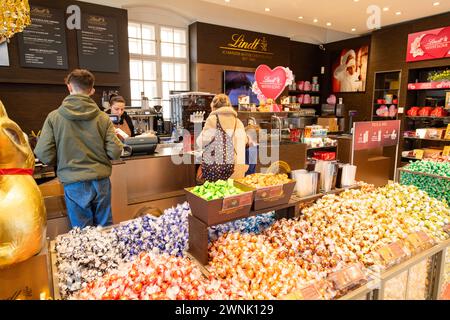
column 22, row 211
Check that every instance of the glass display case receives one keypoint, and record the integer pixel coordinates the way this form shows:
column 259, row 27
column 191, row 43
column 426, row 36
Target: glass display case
column 386, row 95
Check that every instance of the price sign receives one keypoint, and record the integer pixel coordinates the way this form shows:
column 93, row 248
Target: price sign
column 446, row 151
column 231, row 204
column 447, row 133
column 397, row 250
column 347, row 277
column 270, row 193
column 311, row 293
column 414, row 241
column 386, row 254
column 447, row 228
column 418, row 153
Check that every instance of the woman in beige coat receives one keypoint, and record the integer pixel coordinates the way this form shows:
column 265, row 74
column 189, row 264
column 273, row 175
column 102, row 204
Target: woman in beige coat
column 223, row 110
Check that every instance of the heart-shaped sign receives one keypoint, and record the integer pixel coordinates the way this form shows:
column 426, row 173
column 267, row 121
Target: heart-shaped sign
column 331, row 99
column 271, row 82
column 437, row 45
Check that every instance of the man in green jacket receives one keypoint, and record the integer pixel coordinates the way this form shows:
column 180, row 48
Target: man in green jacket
column 80, row 140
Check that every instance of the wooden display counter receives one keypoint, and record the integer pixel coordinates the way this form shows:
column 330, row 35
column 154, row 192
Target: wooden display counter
column 140, row 184
column 28, row 280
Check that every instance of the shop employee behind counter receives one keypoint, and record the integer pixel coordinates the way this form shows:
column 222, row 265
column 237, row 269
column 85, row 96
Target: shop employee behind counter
column 125, row 124
column 80, row 140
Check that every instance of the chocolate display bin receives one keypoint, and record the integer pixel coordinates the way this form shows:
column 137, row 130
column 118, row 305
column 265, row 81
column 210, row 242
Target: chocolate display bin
column 268, row 197
column 223, row 210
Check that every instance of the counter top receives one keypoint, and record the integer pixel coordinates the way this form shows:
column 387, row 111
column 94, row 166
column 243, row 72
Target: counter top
column 162, row 150
column 340, row 136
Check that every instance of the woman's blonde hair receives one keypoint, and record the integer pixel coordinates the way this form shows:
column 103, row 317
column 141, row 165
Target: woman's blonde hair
column 220, row 101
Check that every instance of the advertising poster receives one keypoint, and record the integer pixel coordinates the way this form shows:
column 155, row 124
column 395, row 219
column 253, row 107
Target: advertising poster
column 428, row 45
column 369, row 135
column 349, row 71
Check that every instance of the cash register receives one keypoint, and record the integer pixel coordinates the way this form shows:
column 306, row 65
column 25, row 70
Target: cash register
column 144, row 144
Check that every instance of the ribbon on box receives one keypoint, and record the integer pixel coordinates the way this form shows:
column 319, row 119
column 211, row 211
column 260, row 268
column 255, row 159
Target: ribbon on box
column 16, row 172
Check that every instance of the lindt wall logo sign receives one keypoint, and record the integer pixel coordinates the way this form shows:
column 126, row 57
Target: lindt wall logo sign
column 239, row 42
column 429, row 45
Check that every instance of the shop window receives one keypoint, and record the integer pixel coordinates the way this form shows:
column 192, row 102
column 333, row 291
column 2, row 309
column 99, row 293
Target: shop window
column 158, row 62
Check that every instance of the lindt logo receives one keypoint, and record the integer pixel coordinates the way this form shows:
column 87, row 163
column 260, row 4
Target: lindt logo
column 239, row 42
column 272, row 80
column 438, row 42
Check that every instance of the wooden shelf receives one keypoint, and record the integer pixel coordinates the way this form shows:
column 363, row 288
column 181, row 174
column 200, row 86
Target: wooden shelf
column 427, row 118
column 270, row 112
column 437, row 140
column 410, row 158
column 381, row 117
column 304, row 92
column 435, row 85
column 318, row 148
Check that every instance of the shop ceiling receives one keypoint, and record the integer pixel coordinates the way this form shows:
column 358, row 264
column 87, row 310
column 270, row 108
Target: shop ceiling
column 314, row 21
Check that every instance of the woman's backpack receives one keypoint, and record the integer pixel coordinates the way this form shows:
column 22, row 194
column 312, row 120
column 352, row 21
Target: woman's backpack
column 218, row 155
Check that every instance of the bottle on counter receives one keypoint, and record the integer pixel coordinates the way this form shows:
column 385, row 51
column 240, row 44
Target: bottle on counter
column 105, row 100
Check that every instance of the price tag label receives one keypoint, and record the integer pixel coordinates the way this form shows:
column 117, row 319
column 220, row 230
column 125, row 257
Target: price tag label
column 311, row 293
column 231, row 204
column 386, row 254
column 446, row 151
column 414, row 240
column 397, row 250
column 447, row 133
column 347, row 277
column 418, row 153
column 447, row 228
column 270, row 193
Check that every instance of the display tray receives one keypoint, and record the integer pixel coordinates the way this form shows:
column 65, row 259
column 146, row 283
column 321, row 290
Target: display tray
column 269, row 197
column 221, row 210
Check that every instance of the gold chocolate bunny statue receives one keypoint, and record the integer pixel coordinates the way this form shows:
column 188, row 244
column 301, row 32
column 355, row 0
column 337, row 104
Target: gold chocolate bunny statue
column 22, row 212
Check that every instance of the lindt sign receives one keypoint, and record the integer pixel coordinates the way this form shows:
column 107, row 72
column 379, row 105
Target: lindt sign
column 429, row 45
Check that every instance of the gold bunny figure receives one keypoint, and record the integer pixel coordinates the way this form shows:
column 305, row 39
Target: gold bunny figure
column 23, row 217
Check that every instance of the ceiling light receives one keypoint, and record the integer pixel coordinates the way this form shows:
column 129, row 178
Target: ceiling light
column 227, row 0
column 356, row 0
column 353, row 29
column 385, row 9
column 398, row 13
column 315, row 20
column 328, row 23
column 436, row 3
column 267, row 9
column 300, row 17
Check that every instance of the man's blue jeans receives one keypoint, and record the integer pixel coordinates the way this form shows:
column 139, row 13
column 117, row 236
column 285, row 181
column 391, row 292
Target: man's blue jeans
column 89, row 203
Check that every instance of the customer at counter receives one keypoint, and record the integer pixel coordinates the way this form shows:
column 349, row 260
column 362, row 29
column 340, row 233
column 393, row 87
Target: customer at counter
column 80, row 139
column 223, row 139
column 125, row 123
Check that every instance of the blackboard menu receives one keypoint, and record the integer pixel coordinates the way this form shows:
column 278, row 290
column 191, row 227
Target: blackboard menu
column 98, row 48
column 43, row 43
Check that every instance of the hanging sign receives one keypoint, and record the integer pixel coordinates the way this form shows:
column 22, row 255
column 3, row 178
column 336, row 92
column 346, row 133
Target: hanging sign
column 428, row 45
column 270, row 83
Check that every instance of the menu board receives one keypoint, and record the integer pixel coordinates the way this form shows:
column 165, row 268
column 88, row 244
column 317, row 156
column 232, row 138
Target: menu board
column 98, row 48
column 369, row 135
column 43, row 43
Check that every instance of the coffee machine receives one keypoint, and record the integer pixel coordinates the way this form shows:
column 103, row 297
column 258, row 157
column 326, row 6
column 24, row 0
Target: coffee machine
column 158, row 120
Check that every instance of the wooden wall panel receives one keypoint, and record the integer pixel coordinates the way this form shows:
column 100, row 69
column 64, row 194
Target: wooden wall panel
column 30, row 94
column 387, row 52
